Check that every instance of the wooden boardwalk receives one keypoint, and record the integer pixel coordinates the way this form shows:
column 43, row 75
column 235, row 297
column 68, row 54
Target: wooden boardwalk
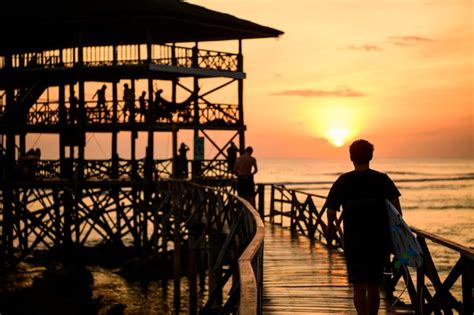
column 304, row 278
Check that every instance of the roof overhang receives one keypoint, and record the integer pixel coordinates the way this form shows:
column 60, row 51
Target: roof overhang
column 50, row 24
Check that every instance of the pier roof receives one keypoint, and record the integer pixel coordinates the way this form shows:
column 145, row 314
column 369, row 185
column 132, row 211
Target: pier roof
column 49, row 24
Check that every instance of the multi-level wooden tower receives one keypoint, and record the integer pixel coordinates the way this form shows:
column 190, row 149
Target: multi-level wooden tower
column 125, row 71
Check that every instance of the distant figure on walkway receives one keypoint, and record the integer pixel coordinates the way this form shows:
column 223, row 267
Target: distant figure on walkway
column 246, row 167
column 128, row 101
column 29, row 163
column 231, row 156
column 367, row 245
column 73, row 108
column 160, row 107
column 182, row 162
column 101, row 102
column 142, row 105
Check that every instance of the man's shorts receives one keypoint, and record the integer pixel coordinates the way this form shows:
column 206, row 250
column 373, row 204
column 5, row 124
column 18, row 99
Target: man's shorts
column 365, row 273
column 245, row 186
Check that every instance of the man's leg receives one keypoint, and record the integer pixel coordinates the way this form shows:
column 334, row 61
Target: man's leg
column 360, row 298
column 373, row 298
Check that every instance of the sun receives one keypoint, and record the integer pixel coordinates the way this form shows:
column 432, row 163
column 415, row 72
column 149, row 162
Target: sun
column 337, row 135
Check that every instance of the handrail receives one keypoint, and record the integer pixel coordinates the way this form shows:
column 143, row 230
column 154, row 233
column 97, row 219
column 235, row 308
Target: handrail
column 100, row 56
column 463, row 250
column 250, row 283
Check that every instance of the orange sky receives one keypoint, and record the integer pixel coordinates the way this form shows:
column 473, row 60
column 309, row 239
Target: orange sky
column 396, row 72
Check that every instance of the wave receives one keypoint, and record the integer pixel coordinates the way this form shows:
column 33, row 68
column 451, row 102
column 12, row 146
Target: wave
column 397, row 180
column 435, row 179
column 444, row 207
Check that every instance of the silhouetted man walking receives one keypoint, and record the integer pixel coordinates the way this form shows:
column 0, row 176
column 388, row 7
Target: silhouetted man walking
column 367, row 245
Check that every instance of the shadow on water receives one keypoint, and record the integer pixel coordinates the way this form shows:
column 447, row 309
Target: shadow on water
column 90, row 281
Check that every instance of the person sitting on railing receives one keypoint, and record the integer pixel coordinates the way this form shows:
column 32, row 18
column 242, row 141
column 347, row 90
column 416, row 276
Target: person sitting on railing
column 161, row 107
column 246, row 167
column 367, row 244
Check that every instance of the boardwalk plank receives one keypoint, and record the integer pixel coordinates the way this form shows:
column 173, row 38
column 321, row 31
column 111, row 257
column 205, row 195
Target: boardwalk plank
column 301, row 277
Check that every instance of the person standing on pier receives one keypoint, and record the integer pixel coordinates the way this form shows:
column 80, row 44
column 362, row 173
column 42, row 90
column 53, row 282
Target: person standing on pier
column 101, row 102
column 128, row 102
column 231, row 156
column 367, row 245
column 246, row 167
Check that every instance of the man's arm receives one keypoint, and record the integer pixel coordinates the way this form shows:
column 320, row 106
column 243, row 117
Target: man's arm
column 331, row 228
column 255, row 169
column 237, row 167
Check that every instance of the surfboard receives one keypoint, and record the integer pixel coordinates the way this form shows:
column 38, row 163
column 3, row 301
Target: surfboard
column 406, row 248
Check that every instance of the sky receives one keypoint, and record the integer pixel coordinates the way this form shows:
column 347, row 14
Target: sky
column 399, row 73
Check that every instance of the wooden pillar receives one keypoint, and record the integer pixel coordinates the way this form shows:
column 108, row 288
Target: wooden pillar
column 22, row 141
column 62, row 125
column 115, row 157
column 82, row 120
column 175, row 149
column 261, row 200
column 177, row 250
column 240, row 96
column 215, row 274
column 8, row 218
column 57, row 213
column 149, row 120
column 9, row 176
column 195, row 90
column 192, row 267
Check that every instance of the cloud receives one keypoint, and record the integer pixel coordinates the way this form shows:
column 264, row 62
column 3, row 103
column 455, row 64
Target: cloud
column 409, row 40
column 344, row 92
column 368, row 48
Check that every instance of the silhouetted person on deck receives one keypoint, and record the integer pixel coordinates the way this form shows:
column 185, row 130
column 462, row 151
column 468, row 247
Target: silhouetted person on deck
column 142, row 104
column 182, row 162
column 101, row 102
column 231, row 156
column 246, row 167
column 73, row 108
column 128, row 101
column 367, row 245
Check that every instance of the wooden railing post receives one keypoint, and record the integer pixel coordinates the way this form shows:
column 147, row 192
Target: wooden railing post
column 261, row 200
column 420, row 283
column 467, row 284
column 272, row 204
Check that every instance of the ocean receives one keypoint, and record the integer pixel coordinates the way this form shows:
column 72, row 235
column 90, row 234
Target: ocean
column 437, row 194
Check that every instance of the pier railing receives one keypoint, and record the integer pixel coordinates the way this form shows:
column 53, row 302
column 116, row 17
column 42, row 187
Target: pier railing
column 39, row 170
column 428, row 293
column 108, row 56
column 47, row 113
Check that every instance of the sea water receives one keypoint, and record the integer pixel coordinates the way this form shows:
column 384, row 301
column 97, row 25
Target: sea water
column 437, row 195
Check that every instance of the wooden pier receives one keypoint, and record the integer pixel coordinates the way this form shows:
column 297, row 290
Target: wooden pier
column 304, row 277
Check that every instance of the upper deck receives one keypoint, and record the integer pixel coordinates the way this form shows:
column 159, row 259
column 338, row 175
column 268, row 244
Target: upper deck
column 106, row 63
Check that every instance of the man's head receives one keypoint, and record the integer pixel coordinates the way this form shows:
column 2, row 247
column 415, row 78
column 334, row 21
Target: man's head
column 249, row 150
column 361, row 152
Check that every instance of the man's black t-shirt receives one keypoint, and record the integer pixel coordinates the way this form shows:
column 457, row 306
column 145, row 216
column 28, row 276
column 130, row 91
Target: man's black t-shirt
column 362, row 195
